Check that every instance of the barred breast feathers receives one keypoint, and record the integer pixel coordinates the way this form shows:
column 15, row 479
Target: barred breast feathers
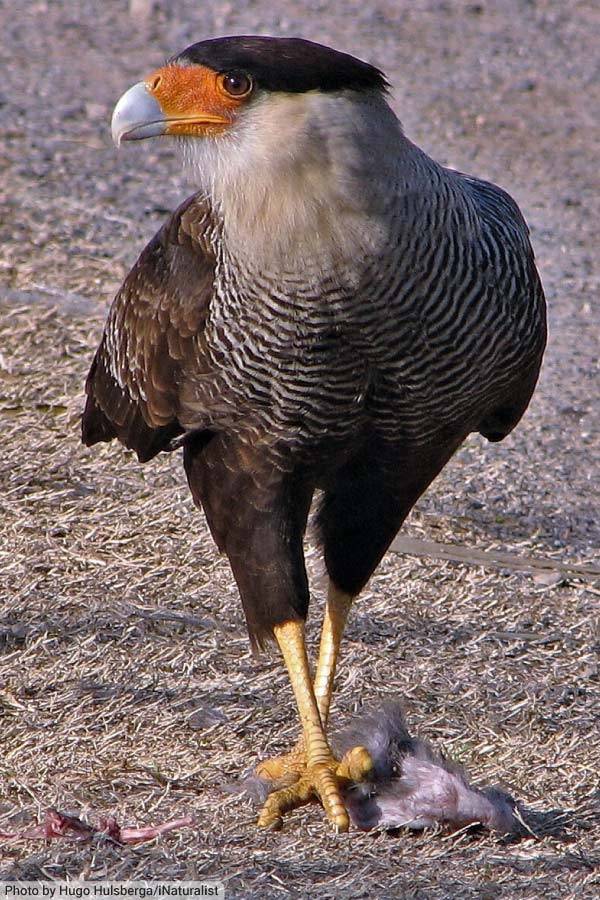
column 288, row 292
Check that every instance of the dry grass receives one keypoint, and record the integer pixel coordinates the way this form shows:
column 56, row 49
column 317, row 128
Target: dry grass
column 128, row 687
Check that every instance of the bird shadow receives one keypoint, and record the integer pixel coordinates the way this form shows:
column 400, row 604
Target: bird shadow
column 560, row 824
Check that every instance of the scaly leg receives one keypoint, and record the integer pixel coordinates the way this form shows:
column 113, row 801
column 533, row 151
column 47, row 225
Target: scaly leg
column 336, row 614
column 290, row 765
column 320, row 778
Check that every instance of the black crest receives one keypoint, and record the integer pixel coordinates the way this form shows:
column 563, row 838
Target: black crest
column 286, row 64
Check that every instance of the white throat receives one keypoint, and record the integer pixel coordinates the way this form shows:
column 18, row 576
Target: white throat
column 303, row 177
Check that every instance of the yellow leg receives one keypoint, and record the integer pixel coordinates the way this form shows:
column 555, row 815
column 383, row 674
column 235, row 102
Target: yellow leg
column 356, row 764
column 323, row 776
column 336, row 614
column 291, row 765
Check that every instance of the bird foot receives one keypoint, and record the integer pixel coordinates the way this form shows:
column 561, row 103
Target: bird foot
column 324, row 781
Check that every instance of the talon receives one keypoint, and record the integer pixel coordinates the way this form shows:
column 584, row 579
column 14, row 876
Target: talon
column 311, row 765
column 343, row 826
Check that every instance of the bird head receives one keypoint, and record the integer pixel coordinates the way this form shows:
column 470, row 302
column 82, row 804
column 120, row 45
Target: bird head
column 206, row 90
column 284, row 135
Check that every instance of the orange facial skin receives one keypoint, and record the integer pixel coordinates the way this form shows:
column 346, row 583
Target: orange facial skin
column 193, row 99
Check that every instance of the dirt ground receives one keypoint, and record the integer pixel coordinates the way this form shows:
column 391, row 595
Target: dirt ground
column 126, row 682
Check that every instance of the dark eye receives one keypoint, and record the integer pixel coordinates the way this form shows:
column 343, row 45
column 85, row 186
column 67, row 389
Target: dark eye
column 237, row 84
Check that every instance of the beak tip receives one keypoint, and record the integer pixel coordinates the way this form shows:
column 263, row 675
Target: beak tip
column 137, row 115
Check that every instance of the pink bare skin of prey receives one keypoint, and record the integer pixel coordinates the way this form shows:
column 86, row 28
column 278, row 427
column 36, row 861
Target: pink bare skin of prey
column 58, row 825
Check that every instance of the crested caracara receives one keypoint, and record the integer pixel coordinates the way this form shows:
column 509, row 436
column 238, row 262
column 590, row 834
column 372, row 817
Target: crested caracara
column 330, row 310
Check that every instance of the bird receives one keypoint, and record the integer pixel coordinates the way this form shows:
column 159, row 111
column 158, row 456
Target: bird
column 322, row 323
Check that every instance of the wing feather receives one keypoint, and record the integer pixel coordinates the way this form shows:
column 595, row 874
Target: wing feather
column 150, row 340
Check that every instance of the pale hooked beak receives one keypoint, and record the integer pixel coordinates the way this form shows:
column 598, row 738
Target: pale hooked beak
column 137, row 115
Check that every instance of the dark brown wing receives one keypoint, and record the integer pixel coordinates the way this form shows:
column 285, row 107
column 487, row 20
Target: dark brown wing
column 151, row 335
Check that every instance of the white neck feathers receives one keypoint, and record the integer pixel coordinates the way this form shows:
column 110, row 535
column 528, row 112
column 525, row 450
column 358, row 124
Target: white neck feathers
column 303, row 176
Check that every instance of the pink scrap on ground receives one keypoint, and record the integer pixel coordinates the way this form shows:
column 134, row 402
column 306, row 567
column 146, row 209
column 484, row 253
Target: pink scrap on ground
column 58, row 825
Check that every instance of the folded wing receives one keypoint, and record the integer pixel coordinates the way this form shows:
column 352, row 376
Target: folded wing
column 153, row 337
